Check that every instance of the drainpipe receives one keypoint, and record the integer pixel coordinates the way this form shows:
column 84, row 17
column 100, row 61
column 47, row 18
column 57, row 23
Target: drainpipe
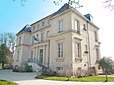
column 48, row 53
column 89, row 62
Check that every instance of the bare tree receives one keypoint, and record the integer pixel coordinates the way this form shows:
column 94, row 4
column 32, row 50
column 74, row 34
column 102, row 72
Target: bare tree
column 109, row 5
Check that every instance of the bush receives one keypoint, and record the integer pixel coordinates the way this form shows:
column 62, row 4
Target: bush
column 81, row 73
column 28, row 68
column 49, row 72
column 7, row 66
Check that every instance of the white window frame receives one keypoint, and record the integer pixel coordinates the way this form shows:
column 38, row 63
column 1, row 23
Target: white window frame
column 43, row 23
column 78, row 50
column 32, row 39
column 97, row 53
column 47, row 34
column 77, row 26
column 42, row 36
column 60, row 49
column 96, row 37
column 19, row 40
column 61, row 25
column 34, row 28
column 59, row 68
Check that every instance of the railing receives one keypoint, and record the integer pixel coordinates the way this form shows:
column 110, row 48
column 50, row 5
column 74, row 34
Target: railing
column 34, row 60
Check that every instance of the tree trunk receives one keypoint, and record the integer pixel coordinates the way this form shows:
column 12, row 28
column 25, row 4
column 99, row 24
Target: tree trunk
column 106, row 77
column 2, row 64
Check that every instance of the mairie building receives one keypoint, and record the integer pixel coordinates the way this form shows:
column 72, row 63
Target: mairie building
column 63, row 41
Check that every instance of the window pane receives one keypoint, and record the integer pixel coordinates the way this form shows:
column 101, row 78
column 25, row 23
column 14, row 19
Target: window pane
column 61, row 26
column 60, row 49
column 77, row 26
column 95, row 34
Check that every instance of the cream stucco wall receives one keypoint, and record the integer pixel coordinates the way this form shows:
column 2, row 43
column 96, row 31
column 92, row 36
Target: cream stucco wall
column 69, row 36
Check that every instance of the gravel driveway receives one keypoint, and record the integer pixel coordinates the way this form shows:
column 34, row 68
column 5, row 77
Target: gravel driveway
column 28, row 79
column 16, row 76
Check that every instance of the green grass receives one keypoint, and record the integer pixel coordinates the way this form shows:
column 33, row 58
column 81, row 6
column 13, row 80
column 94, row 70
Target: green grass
column 4, row 82
column 84, row 79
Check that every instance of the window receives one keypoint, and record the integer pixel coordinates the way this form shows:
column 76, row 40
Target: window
column 18, row 54
column 61, row 26
column 41, row 56
column 42, row 36
column 31, row 54
column 84, row 27
column 78, row 50
column 95, row 34
column 38, row 26
column 19, row 40
column 47, row 34
column 79, row 68
column 97, row 53
column 32, row 39
column 33, row 27
column 37, row 37
column 85, row 47
column 42, row 23
column 59, row 68
column 77, row 26
column 60, row 49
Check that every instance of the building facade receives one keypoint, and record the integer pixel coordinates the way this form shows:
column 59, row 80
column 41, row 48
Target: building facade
column 65, row 40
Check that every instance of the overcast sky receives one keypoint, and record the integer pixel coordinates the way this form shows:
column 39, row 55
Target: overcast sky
column 13, row 17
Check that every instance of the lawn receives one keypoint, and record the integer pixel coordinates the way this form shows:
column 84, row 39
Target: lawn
column 84, row 79
column 4, row 82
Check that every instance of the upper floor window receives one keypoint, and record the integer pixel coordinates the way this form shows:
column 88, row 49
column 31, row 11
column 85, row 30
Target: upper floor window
column 47, row 34
column 84, row 27
column 42, row 23
column 38, row 26
column 60, row 49
column 97, row 53
column 19, row 40
column 61, row 25
column 42, row 36
column 37, row 37
column 33, row 27
column 86, row 48
column 95, row 34
column 32, row 39
column 77, row 26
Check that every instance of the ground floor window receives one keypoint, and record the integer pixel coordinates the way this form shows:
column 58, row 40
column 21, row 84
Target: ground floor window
column 59, row 68
column 41, row 56
column 60, row 49
column 77, row 49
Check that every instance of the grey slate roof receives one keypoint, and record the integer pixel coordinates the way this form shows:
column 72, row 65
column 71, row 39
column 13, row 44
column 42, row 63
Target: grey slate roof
column 62, row 9
column 27, row 28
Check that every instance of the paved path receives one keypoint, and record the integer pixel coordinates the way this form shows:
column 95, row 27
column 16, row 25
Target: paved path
column 16, row 76
column 49, row 82
column 28, row 79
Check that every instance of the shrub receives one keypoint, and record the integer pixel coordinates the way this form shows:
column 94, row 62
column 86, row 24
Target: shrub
column 49, row 72
column 28, row 68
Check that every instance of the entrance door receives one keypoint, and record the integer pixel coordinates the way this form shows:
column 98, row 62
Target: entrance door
column 41, row 56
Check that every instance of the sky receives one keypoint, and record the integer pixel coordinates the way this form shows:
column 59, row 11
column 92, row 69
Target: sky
column 14, row 16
